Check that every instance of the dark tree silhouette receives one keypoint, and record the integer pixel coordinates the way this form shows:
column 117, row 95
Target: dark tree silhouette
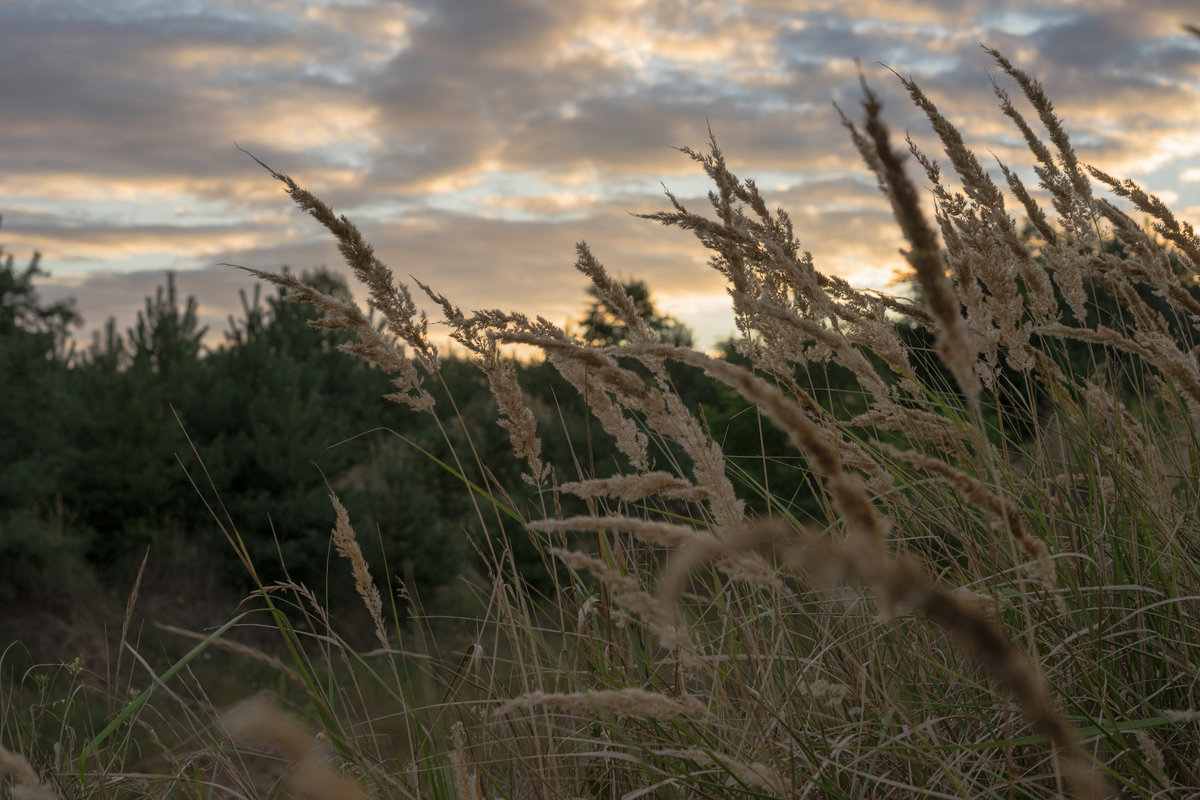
column 602, row 326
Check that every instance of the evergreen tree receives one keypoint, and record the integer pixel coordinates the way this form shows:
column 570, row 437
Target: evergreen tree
column 602, row 325
column 34, row 358
column 126, row 485
column 36, row 410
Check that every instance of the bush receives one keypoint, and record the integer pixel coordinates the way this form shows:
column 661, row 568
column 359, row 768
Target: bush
column 40, row 564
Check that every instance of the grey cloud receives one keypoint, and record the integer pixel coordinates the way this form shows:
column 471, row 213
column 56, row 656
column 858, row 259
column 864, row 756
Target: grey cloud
column 504, row 32
column 828, row 36
column 1088, row 41
column 515, row 86
column 92, row 96
column 470, row 79
column 448, row 108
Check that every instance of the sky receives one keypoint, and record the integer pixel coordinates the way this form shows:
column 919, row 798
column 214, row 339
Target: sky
column 476, row 141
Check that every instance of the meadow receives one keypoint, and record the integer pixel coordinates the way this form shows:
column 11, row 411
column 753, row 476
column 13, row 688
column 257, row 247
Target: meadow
column 994, row 593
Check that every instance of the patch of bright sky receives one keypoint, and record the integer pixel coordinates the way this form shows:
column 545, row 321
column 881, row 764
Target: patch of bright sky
column 348, row 154
column 134, row 11
column 1172, row 152
column 1023, row 22
column 655, row 68
column 337, row 74
column 893, row 30
column 772, row 180
column 128, row 11
column 480, row 196
column 117, row 209
column 70, row 267
column 1172, row 177
column 388, row 210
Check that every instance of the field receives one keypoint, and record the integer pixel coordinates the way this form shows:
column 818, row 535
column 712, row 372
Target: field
column 995, row 593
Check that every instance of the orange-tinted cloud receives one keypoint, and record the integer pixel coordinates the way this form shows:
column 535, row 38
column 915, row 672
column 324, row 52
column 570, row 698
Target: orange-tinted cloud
column 477, row 142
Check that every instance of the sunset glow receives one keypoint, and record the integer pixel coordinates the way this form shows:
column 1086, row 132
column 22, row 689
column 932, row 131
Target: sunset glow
column 476, row 143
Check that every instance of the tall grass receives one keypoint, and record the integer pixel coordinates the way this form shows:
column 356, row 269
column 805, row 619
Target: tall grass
column 1001, row 600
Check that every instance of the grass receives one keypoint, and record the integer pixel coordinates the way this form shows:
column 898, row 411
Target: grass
column 1001, row 600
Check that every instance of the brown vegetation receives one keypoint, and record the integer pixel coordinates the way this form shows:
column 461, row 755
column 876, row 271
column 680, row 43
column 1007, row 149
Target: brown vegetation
column 1000, row 602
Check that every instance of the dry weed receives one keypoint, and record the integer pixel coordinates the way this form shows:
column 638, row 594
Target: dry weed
column 793, row 690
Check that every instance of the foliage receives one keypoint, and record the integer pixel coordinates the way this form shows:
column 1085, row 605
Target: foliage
column 33, row 362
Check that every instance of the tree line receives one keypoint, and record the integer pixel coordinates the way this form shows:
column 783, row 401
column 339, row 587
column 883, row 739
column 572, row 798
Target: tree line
column 147, row 437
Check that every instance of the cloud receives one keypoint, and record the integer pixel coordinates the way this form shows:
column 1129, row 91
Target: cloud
column 477, row 142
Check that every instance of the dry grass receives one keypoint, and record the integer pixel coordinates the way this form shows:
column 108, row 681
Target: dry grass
column 1002, row 602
